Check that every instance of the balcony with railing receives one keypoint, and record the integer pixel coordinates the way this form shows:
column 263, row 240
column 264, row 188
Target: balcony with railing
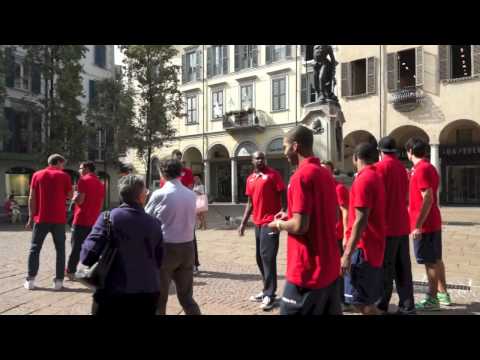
column 406, row 99
column 244, row 119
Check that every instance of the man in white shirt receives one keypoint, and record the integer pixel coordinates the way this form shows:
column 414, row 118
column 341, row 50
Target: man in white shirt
column 174, row 205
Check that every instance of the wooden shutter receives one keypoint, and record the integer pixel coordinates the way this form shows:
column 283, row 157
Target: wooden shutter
column 237, row 57
column 254, row 55
column 303, row 90
column 444, row 61
column 91, row 90
column 225, row 58
column 199, row 55
column 371, row 75
column 419, row 75
column 184, row 68
column 392, row 72
column 268, row 54
column 346, row 79
column 210, row 61
column 475, row 49
column 35, row 78
column 10, row 67
column 288, row 51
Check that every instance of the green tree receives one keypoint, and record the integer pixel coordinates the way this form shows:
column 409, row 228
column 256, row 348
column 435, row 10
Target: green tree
column 111, row 113
column 4, row 132
column 157, row 98
column 60, row 106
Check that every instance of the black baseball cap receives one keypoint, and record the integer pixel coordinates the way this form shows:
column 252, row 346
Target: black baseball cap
column 387, row 144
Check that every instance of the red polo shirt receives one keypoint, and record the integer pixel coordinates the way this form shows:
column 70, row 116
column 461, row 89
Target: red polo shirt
column 313, row 259
column 87, row 213
column 424, row 176
column 368, row 192
column 265, row 190
column 51, row 188
column 186, row 178
column 342, row 200
column 395, row 179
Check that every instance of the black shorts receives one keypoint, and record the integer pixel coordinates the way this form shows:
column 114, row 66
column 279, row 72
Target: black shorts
column 428, row 250
column 364, row 283
column 301, row 301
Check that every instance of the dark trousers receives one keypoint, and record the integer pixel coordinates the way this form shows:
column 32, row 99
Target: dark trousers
column 39, row 233
column 79, row 234
column 397, row 266
column 266, row 246
column 342, row 283
column 124, row 304
column 178, row 260
column 301, row 301
column 197, row 263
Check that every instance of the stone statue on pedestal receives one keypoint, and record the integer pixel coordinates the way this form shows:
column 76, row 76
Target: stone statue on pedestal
column 324, row 73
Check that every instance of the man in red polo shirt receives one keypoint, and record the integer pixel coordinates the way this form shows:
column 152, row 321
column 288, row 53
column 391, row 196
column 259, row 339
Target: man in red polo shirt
column 342, row 218
column 313, row 257
column 396, row 263
column 88, row 201
column 49, row 191
column 265, row 189
column 362, row 259
column 426, row 224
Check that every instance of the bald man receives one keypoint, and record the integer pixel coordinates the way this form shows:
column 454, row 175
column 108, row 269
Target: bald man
column 265, row 189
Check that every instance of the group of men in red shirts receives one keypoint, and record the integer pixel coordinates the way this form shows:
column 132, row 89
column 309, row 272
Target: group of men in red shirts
column 49, row 190
column 347, row 246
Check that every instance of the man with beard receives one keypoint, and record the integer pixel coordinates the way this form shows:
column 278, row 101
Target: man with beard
column 313, row 257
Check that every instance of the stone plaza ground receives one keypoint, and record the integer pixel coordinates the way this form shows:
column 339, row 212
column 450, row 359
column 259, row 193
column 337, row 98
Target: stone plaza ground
column 228, row 270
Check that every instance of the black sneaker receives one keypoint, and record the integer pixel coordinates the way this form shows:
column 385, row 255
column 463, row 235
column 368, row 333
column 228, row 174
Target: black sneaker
column 267, row 303
column 406, row 312
column 257, row 298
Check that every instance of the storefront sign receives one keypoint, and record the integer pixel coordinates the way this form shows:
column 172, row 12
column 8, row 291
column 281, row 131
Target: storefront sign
column 459, row 150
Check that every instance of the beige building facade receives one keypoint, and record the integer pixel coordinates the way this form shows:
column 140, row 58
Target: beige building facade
column 242, row 98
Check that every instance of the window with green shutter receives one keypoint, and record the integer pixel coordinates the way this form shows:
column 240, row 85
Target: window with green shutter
column 279, row 94
column 91, row 90
column 100, row 56
column 10, row 67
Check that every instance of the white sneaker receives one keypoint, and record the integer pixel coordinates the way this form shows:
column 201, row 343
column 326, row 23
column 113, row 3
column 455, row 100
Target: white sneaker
column 267, row 303
column 58, row 284
column 257, row 298
column 29, row 284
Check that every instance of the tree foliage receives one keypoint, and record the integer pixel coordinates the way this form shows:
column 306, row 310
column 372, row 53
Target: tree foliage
column 157, row 97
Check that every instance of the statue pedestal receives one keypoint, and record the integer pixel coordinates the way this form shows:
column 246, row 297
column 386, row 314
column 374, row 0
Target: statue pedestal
column 326, row 120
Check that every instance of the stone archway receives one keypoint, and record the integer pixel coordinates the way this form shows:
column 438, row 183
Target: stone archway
column 401, row 136
column 244, row 167
column 460, row 162
column 155, row 173
column 277, row 160
column 17, row 183
column 350, row 142
column 220, row 169
column 194, row 160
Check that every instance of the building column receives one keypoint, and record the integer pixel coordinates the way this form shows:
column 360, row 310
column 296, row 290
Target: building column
column 234, row 180
column 435, row 161
column 435, row 157
column 206, row 175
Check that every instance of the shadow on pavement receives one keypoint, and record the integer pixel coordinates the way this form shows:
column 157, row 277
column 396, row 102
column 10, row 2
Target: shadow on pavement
column 172, row 290
column 65, row 289
column 230, row 276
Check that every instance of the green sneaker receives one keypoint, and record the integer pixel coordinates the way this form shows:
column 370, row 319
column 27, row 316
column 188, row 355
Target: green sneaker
column 428, row 304
column 444, row 298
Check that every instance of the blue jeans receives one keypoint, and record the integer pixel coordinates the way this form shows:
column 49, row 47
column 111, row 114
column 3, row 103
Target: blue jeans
column 39, row 233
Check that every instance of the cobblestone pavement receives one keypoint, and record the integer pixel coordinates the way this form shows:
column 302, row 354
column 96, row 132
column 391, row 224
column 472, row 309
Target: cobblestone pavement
column 228, row 272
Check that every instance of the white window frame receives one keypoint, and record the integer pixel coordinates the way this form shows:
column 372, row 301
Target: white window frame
column 245, row 84
column 189, row 110
column 194, row 72
column 277, row 77
column 214, row 91
column 19, row 82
